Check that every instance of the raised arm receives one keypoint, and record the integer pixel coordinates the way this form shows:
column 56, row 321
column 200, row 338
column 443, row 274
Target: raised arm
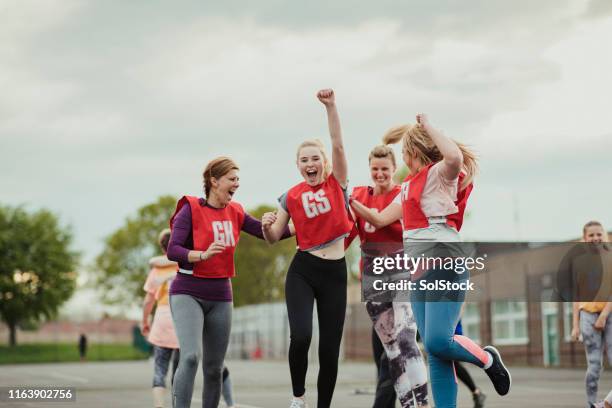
column 339, row 164
column 274, row 225
column 378, row 220
column 453, row 158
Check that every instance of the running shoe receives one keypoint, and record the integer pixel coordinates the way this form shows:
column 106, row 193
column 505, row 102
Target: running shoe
column 479, row 399
column 498, row 373
column 298, row 403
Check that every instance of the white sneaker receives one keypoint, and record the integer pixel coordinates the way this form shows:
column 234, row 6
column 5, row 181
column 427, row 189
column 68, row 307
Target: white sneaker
column 298, row 403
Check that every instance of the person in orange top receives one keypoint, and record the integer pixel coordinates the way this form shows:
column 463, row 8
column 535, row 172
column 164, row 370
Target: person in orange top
column 592, row 320
column 161, row 333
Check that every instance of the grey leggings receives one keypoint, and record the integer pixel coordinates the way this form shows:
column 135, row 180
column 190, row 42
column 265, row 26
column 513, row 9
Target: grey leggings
column 594, row 341
column 200, row 325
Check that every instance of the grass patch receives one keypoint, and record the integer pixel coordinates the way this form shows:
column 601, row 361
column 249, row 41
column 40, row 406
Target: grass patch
column 65, row 352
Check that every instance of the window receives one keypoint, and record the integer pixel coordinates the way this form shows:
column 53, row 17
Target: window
column 471, row 321
column 509, row 322
column 568, row 314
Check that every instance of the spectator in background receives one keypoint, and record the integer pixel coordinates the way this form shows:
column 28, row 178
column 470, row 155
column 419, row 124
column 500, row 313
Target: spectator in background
column 83, row 346
column 161, row 333
column 592, row 320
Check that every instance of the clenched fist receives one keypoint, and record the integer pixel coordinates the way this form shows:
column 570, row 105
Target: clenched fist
column 326, row 96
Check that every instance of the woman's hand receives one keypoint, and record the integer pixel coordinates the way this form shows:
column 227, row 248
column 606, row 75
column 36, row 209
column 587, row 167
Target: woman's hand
column 600, row 323
column 268, row 220
column 214, row 249
column 423, row 120
column 575, row 335
column 327, row 97
column 145, row 328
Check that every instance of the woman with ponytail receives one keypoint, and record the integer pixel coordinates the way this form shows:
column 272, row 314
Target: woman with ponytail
column 394, row 323
column 205, row 232
column 431, row 205
column 318, row 207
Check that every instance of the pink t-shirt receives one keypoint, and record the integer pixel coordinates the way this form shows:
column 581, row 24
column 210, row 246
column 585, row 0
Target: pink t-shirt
column 158, row 281
column 439, row 194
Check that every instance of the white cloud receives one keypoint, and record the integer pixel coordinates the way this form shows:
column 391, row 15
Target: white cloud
column 110, row 117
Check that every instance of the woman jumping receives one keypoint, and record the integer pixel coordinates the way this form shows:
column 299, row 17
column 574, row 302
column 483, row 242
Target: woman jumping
column 432, row 203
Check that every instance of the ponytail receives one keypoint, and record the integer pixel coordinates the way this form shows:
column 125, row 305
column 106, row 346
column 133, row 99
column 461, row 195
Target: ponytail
column 417, row 143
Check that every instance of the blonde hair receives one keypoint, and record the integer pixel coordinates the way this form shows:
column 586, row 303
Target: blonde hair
column 417, row 143
column 327, row 166
column 382, row 152
column 217, row 168
column 594, row 223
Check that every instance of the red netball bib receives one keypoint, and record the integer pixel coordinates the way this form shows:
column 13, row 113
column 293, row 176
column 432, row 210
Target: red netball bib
column 210, row 225
column 412, row 190
column 319, row 213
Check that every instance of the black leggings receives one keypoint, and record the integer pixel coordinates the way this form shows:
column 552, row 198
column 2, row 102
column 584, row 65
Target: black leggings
column 385, row 393
column 464, row 376
column 312, row 278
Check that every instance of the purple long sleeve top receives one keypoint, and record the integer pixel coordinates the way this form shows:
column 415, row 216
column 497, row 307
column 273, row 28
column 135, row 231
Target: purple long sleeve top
column 181, row 242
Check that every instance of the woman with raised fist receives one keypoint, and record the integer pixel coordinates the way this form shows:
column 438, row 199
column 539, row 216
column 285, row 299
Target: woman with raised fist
column 318, row 207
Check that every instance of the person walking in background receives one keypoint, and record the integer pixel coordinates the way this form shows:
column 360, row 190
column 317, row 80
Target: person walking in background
column 83, row 346
column 591, row 320
column 161, row 333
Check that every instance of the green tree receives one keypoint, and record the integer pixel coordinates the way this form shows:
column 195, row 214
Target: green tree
column 400, row 174
column 36, row 267
column 122, row 267
column 260, row 267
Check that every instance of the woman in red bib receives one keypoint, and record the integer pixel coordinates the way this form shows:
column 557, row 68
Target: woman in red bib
column 205, row 232
column 432, row 203
column 318, row 207
column 394, row 322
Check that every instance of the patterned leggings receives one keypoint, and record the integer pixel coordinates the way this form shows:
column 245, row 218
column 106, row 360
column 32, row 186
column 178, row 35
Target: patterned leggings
column 594, row 342
column 395, row 325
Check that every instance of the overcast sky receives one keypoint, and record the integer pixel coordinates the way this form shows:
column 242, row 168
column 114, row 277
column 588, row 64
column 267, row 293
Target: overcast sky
column 105, row 105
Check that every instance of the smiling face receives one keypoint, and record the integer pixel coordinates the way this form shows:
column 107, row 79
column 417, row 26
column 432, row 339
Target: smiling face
column 594, row 234
column 381, row 171
column 311, row 163
column 225, row 186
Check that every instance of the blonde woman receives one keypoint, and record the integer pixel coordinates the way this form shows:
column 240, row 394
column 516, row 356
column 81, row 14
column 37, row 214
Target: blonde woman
column 431, row 204
column 318, row 207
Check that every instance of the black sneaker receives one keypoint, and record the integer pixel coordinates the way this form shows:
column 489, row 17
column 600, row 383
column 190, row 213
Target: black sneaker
column 479, row 399
column 498, row 373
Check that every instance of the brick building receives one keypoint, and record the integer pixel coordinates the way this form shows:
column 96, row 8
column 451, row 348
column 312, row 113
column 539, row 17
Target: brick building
column 510, row 312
